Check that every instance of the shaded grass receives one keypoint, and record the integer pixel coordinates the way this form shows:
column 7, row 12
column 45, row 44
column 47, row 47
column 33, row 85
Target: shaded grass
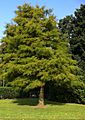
column 21, row 109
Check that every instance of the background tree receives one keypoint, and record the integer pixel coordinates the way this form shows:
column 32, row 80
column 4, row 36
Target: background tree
column 35, row 51
column 74, row 27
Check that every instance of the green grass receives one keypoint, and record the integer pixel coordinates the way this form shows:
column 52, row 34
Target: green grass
column 22, row 109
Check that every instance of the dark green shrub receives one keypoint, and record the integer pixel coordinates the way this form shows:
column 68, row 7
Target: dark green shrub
column 8, row 92
column 66, row 93
column 79, row 94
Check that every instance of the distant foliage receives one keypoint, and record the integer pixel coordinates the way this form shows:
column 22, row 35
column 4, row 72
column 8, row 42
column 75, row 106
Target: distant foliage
column 74, row 93
column 8, row 92
column 74, row 27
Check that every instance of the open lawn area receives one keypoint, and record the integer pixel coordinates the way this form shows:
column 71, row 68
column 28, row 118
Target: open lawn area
column 23, row 109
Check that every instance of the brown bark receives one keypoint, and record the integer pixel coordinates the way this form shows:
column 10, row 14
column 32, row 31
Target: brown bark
column 41, row 96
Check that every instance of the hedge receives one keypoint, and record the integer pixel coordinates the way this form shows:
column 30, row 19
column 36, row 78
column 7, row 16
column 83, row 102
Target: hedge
column 8, row 92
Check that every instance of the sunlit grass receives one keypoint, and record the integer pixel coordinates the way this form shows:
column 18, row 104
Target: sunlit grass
column 22, row 109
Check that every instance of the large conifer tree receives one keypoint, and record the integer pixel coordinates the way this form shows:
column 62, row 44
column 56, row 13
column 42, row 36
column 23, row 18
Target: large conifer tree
column 34, row 51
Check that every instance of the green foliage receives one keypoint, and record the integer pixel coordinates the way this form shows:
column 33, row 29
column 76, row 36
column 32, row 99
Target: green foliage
column 8, row 92
column 73, row 92
column 73, row 26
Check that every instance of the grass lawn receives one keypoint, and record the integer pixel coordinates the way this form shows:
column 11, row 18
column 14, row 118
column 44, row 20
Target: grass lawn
column 22, row 109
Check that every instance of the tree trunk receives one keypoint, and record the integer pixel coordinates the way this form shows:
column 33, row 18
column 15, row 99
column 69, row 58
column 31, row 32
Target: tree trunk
column 41, row 96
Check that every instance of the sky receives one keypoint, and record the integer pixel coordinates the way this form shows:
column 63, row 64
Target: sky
column 61, row 8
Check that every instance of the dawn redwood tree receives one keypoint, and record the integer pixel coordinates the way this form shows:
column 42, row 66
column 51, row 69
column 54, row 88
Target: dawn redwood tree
column 35, row 51
column 74, row 27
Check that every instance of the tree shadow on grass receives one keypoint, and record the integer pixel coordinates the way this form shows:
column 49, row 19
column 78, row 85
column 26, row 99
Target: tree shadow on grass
column 54, row 103
column 34, row 102
column 26, row 101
